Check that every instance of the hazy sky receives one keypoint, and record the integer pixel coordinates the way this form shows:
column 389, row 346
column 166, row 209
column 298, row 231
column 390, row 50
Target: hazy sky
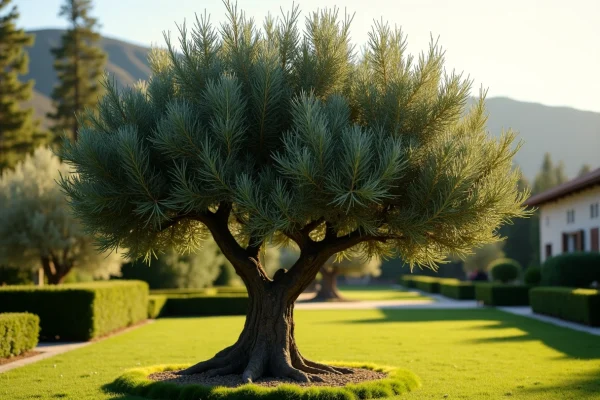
column 544, row 51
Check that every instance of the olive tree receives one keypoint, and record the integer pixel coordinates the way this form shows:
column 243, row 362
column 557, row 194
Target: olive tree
column 268, row 135
column 37, row 226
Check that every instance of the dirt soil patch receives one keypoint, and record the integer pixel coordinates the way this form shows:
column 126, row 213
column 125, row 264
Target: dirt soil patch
column 357, row 376
column 27, row 354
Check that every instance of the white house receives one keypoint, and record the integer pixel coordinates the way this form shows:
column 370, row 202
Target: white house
column 569, row 216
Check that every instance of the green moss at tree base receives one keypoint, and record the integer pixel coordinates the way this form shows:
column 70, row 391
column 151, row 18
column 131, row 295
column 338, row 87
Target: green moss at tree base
column 136, row 382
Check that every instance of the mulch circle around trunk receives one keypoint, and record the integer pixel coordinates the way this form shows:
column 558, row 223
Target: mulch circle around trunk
column 359, row 375
column 369, row 381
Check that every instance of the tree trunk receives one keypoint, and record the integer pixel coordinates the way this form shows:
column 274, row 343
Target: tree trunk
column 55, row 272
column 328, row 290
column 266, row 346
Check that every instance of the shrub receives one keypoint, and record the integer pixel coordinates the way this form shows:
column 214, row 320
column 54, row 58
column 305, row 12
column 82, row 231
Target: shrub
column 79, row 311
column 493, row 294
column 206, row 305
column 407, row 281
column 430, row 284
column 572, row 269
column 18, row 333
column 533, row 276
column 504, row 270
column 577, row 305
column 457, row 289
column 156, row 305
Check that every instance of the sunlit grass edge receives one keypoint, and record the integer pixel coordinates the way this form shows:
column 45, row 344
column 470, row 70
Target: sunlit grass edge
column 136, row 382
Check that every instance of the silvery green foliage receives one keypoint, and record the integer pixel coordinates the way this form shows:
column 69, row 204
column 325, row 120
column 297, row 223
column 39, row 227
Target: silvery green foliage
column 36, row 221
column 195, row 270
column 288, row 128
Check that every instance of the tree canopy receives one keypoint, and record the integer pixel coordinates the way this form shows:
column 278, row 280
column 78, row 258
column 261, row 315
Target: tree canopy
column 292, row 136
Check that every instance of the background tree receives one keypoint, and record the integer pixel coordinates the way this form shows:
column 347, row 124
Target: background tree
column 519, row 243
column 264, row 136
column 37, row 228
column 483, row 256
column 332, row 269
column 198, row 269
column 19, row 133
column 78, row 63
column 585, row 169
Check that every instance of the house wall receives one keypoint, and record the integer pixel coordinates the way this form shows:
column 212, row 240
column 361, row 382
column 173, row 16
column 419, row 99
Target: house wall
column 553, row 220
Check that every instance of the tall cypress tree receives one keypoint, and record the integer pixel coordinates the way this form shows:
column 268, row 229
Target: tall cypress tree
column 18, row 130
column 78, row 63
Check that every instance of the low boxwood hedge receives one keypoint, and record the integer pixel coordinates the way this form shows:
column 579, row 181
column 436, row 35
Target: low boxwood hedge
column 577, row 305
column 407, row 281
column 18, row 333
column 497, row 294
column 187, row 305
column 156, row 305
column 200, row 291
column 136, row 382
column 205, row 305
column 458, row 290
column 80, row 311
column 431, row 284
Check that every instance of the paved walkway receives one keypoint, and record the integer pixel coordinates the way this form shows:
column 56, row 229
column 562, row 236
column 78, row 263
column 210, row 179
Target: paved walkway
column 526, row 311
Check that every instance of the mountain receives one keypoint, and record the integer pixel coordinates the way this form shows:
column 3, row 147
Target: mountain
column 570, row 135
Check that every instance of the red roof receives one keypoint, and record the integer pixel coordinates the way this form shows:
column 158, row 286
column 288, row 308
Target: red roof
column 574, row 185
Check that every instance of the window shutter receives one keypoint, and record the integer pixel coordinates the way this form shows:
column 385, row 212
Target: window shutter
column 595, row 239
column 579, row 244
column 565, row 242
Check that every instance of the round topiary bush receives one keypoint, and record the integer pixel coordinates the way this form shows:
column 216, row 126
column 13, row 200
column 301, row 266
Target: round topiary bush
column 504, row 270
column 533, row 276
column 137, row 382
column 572, row 269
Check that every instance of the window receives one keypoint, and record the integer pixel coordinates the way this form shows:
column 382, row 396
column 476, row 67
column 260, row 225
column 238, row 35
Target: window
column 570, row 216
column 594, row 211
column 549, row 250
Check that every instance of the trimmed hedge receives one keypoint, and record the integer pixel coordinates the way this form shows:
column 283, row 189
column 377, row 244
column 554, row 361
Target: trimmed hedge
column 202, row 291
column 156, row 305
column 79, row 311
column 18, row 333
column 576, row 270
column 203, row 305
column 497, row 294
column 504, row 270
column 186, row 305
column 458, row 290
column 577, row 305
column 407, row 281
column 136, row 382
column 532, row 276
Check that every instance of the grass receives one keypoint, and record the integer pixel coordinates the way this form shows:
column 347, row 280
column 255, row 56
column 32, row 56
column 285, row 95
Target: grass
column 458, row 354
column 375, row 293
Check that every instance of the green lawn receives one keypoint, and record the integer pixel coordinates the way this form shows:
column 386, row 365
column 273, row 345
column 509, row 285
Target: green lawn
column 459, row 354
column 366, row 293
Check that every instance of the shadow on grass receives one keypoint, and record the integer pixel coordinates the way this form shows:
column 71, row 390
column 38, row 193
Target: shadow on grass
column 573, row 344
column 576, row 386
